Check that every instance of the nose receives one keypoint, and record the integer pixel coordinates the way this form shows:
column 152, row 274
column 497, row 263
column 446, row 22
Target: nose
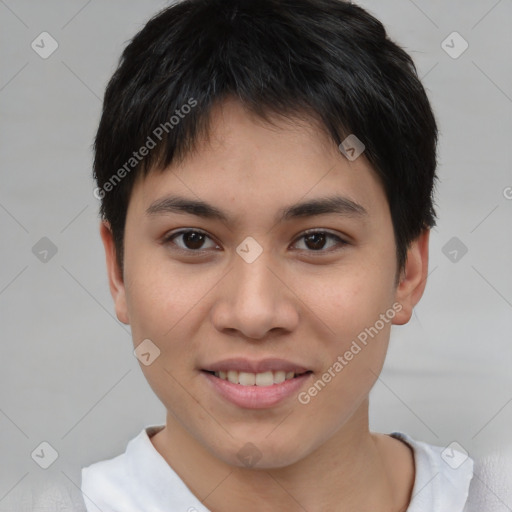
column 254, row 299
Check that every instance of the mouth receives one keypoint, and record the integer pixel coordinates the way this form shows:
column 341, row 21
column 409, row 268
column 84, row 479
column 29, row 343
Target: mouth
column 253, row 384
column 262, row 379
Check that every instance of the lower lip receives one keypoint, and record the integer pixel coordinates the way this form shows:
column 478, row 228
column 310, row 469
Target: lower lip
column 256, row 397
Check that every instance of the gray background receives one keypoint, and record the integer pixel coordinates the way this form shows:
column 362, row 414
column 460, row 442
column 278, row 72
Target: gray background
column 68, row 374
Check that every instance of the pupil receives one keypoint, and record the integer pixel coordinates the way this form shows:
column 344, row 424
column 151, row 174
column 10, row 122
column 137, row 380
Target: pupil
column 318, row 240
column 193, row 240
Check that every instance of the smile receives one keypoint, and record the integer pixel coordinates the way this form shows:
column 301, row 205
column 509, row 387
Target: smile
column 261, row 390
column 263, row 379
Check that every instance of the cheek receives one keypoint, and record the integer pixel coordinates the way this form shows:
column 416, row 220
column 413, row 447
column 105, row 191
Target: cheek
column 163, row 300
column 161, row 293
column 350, row 300
column 356, row 306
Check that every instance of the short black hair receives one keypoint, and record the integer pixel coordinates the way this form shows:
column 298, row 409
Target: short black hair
column 328, row 60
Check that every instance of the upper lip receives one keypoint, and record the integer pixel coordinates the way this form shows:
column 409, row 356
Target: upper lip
column 250, row 366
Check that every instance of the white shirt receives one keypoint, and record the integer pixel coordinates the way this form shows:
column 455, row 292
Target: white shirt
column 140, row 480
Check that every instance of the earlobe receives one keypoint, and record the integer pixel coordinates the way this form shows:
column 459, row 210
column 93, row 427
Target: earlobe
column 115, row 277
column 414, row 278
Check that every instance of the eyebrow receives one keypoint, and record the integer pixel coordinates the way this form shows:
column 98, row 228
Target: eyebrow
column 321, row 206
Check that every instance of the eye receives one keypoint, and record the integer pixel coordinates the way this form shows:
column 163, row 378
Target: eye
column 315, row 240
column 192, row 240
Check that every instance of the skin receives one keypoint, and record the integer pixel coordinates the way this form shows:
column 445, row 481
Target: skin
column 292, row 302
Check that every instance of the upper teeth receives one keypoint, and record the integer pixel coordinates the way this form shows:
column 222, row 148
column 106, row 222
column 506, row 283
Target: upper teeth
column 258, row 379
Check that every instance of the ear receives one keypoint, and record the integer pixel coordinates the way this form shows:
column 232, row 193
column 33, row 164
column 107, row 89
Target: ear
column 413, row 279
column 115, row 277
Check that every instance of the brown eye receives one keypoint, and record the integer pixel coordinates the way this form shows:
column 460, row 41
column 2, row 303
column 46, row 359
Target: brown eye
column 316, row 241
column 191, row 240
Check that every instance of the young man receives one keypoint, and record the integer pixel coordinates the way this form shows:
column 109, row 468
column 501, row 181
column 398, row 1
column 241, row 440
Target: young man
column 266, row 171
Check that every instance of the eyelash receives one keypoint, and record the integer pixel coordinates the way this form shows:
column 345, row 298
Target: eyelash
column 171, row 236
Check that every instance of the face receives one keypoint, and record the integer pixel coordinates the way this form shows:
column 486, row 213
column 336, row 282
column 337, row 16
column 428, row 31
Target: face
column 293, row 304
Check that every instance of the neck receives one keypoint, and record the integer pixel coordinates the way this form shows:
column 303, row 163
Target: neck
column 349, row 471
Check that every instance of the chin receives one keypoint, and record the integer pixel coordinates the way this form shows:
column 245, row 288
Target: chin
column 261, row 453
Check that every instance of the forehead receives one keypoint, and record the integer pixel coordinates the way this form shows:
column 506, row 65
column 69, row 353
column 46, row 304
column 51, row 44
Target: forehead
column 249, row 167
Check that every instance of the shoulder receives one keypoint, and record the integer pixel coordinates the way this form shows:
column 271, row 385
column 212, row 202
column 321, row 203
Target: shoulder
column 443, row 476
column 105, row 478
column 115, row 480
column 110, row 472
column 492, row 486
